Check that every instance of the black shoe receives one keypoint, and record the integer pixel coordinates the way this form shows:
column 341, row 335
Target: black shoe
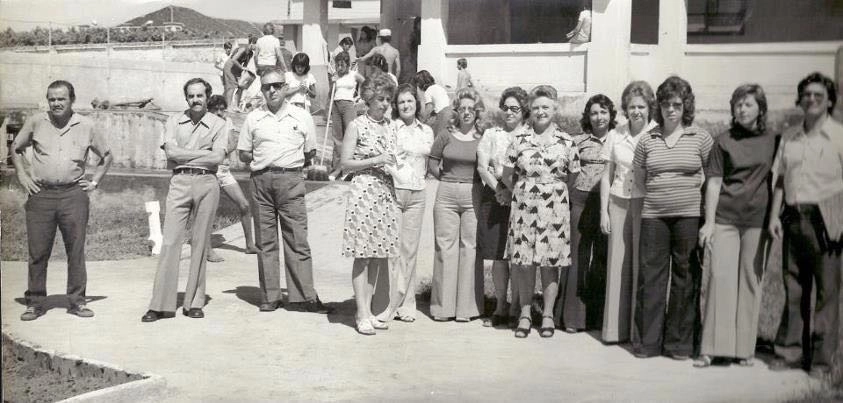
column 315, row 306
column 152, row 316
column 678, row 357
column 195, row 313
column 269, row 306
column 780, row 364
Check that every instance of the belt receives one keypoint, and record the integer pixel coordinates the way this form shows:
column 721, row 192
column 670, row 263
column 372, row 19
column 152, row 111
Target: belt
column 277, row 170
column 193, row 171
column 63, row 186
column 802, row 208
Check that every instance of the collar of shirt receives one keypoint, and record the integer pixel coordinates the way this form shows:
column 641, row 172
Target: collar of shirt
column 185, row 118
column 686, row 130
column 73, row 121
column 601, row 140
column 285, row 111
column 400, row 124
column 830, row 129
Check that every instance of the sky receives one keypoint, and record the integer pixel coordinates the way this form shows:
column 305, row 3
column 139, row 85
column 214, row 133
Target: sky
column 26, row 14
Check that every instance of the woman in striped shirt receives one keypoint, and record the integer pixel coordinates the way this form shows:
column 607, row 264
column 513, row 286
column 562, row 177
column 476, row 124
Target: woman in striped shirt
column 671, row 158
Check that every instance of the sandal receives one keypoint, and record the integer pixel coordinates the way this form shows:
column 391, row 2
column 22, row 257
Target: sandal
column 745, row 362
column 364, row 327
column 523, row 332
column 703, row 361
column 377, row 324
column 547, row 331
column 406, row 318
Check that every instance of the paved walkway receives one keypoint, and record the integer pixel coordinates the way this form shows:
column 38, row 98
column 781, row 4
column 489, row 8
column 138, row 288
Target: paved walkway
column 239, row 354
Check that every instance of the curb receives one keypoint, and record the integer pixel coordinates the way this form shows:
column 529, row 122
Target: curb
column 137, row 386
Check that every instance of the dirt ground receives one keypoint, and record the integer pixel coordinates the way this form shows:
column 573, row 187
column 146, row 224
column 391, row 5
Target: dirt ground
column 24, row 381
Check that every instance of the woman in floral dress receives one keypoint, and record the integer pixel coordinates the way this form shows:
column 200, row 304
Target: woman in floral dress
column 539, row 231
column 371, row 229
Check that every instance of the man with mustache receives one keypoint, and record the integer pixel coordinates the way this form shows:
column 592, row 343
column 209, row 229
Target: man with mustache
column 276, row 141
column 195, row 143
column 58, row 193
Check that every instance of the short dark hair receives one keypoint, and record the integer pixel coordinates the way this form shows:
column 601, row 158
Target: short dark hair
column 817, row 77
column 227, row 45
column 253, row 39
column 406, row 88
column 643, row 90
column 217, row 101
column 375, row 83
column 71, row 92
column 424, row 80
column 300, row 59
column 198, row 80
column 756, row 91
column 379, row 61
column 369, row 32
column 342, row 57
column 521, row 96
column 347, row 41
column 675, row 86
column 462, row 63
column 603, row 101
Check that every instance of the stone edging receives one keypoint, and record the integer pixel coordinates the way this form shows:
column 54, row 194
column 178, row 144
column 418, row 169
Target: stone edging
column 137, row 386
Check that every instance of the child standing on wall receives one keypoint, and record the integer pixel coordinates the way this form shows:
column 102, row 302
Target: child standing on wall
column 463, row 76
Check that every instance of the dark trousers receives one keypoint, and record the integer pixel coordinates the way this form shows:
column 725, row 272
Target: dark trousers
column 582, row 286
column 808, row 257
column 667, row 248
column 67, row 210
column 279, row 197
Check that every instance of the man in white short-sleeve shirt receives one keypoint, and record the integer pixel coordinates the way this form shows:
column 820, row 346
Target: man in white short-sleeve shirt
column 268, row 53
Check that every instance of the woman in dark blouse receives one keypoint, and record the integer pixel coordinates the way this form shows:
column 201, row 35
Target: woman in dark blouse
column 736, row 201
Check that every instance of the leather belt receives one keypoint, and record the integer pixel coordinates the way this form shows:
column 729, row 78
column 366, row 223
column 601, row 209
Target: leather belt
column 193, row 171
column 63, row 186
column 803, row 208
column 277, row 170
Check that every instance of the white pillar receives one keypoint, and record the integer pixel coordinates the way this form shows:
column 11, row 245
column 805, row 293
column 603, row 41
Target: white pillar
column 673, row 36
column 608, row 52
column 314, row 29
column 434, row 38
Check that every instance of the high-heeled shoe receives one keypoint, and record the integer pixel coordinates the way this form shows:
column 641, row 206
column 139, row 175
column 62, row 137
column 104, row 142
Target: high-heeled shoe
column 547, row 331
column 523, row 332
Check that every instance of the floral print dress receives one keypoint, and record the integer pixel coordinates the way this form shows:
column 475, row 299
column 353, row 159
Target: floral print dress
column 540, row 222
column 371, row 226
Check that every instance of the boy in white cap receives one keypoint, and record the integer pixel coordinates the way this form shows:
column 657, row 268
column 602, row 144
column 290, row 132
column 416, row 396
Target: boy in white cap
column 393, row 58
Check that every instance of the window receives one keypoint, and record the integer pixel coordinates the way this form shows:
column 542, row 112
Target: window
column 716, row 17
column 476, row 22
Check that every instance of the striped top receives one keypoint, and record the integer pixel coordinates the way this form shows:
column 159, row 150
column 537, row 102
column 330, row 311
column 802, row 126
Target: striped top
column 674, row 175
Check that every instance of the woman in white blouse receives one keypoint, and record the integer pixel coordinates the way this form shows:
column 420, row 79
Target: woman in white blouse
column 413, row 147
column 493, row 200
column 621, row 199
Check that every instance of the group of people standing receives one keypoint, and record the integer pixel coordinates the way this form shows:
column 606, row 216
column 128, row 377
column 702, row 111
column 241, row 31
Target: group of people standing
column 610, row 219
column 617, row 221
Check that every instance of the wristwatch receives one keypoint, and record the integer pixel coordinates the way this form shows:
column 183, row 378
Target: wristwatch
column 95, row 184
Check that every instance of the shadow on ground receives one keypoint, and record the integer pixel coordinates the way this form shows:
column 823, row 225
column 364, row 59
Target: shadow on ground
column 60, row 301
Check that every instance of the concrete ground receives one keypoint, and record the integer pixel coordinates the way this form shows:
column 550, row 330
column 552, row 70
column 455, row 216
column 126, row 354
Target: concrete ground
column 239, row 354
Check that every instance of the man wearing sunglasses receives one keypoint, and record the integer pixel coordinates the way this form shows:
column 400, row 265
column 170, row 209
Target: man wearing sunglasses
column 275, row 141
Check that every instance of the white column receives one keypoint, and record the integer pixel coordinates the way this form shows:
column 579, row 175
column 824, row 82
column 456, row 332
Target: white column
column 608, row 52
column 314, row 29
column 673, row 36
column 434, row 38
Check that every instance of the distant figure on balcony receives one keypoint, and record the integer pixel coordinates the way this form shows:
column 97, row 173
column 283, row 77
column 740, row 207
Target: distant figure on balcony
column 393, row 58
column 268, row 53
column 582, row 32
column 463, row 76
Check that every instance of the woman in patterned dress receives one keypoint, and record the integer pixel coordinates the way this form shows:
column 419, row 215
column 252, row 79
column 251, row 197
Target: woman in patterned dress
column 494, row 200
column 539, row 228
column 370, row 235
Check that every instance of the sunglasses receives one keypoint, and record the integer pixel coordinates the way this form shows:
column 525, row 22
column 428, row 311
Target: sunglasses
column 513, row 109
column 276, row 86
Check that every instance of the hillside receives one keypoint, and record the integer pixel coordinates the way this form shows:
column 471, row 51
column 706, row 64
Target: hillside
column 196, row 22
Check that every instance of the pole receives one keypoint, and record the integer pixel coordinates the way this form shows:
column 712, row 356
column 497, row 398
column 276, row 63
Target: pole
column 49, row 34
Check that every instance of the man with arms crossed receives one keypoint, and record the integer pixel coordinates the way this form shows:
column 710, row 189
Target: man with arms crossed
column 809, row 168
column 57, row 189
column 275, row 141
column 195, row 143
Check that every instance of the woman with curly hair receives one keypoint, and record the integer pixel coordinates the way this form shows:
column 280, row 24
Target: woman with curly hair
column 457, row 286
column 670, row 159
column 371, row 228
column 581, row 286
column 493, row 199
column 536, row 170
column 621, row 199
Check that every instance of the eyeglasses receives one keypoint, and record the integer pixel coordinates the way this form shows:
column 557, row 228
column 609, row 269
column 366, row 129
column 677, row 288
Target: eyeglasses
column 276, row 86
column 513, row 109
column 675, row 105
